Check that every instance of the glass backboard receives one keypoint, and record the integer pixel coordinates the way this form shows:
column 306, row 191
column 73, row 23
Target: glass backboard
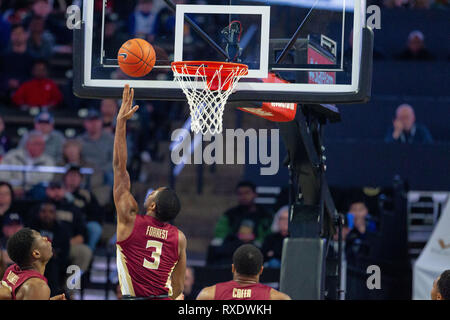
column 322, row 48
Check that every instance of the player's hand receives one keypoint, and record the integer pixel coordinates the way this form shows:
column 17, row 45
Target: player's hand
column 59, row 297
column 126, row 112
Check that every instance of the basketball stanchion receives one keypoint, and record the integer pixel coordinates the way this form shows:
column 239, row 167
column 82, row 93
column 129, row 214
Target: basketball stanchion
column 207, row 86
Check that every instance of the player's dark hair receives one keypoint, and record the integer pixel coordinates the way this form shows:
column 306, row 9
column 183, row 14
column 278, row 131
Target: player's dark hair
column 19, row 246
column 246, row 184
column 248, row 260
column 443, row 284
column 167, row 204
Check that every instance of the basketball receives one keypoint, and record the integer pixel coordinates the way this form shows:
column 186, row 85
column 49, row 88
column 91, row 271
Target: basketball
column 136, row 57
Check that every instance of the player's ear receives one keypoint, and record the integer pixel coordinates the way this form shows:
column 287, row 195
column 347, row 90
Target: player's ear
column 261, row 271
column 233, row 269
column 36, row 254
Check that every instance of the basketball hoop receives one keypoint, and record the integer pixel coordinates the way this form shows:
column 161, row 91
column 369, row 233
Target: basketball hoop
column 207, row 86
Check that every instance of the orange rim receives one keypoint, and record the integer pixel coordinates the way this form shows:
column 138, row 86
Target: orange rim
column 209, row 66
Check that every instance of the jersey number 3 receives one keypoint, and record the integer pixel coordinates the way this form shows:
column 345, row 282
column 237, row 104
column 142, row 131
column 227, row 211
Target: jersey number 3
column 156, row 255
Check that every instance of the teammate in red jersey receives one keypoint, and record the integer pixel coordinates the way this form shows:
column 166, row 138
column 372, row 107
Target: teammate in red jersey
column 25, row 279
column 151, row 253
column 247, row 267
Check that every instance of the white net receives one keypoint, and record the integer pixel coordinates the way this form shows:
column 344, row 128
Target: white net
column 207, row 93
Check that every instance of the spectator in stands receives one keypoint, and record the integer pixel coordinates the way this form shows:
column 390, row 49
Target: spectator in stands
column 71, row 155
column 45, row 222
column 141, row 23
column 4, row 140
column 40, row 91
column 405, row 129
column 54, row 20
column 358, row 217
column 441, row 287
column 70, row 216
column 15, row 63
column 54, row 139
column 41, row 8
column 273, row 243
column 360, row 224
column 222, row 255
column 41, row 42
column 86, row 202
column 32, row 153
column 108, row 110
column 189, row 291
column 6, row 202
column 12, row 223
column 95, row 182
column 247, row 209
column 415, row 49
column 97, row 145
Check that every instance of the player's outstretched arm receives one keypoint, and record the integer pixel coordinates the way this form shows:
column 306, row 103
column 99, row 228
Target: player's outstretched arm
column 207, row 293
column 126, row 205
column 179, row 272
column 277, row 295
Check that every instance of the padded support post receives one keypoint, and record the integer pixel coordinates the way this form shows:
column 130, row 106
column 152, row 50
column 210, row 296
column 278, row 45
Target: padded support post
column 303, row 268
column 312, row 215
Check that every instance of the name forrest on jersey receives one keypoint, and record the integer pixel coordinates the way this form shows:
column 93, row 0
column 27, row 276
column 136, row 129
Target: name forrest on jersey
column 156, row 233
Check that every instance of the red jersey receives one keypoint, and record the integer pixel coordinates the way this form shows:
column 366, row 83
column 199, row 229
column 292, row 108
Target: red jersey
column 14, row 277
column 146, row 259
column 232, row 290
